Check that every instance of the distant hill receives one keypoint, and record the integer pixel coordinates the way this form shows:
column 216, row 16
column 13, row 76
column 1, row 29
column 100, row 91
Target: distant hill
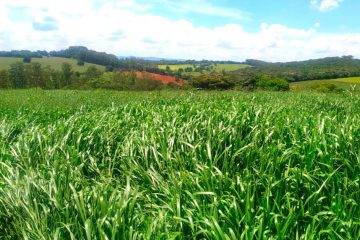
column 86, row 55
column 53, row 62
column 324, row 68
column 79, row 53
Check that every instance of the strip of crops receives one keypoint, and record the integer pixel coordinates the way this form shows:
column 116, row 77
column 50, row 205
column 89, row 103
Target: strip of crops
column 219, row 165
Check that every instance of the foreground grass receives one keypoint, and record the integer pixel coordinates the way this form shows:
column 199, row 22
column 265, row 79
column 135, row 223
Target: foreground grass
column 110, row 165
column 53, row 62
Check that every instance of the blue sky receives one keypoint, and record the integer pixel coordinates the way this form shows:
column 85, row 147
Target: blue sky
column 293, row 13
column 273, row 30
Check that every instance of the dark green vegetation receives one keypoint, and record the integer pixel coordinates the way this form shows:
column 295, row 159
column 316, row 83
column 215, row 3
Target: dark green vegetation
column 206, row 75
column 250, row 75
column 35, row 75
column 186, row 71
column 161, row 165
column 325, row 68
column 224, row 81
column 82, row 54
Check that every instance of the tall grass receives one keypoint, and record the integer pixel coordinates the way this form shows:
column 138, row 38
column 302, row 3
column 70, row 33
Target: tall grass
column 109, row 165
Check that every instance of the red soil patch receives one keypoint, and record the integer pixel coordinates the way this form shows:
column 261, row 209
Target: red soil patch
column 164, row 79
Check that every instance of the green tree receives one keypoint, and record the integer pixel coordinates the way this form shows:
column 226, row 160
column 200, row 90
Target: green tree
column 57, row 78
column 4, row 79
column 213, row 80
column 80, row 62
column 47, row 77
column 266, row 82
column 34, row 75
column 17, row 75
column 27, row 59
column 67, row 73
column 92, row 72
column 189, row 69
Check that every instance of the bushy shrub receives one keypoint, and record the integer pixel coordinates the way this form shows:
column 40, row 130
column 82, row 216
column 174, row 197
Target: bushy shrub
column 266, row 82
column 147, row 84
column 26, row 59
column 124, row 81
column 80, row 62
column 212, row 81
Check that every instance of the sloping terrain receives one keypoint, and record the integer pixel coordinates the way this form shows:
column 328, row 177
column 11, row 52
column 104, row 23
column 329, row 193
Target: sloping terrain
column 53, row 62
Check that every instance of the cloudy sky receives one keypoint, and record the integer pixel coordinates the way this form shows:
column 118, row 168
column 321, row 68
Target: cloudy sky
column 273, row 30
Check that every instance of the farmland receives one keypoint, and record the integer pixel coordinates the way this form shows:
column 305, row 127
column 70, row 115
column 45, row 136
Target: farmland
column 179, row 165
column 53, row 62
column 216, row 67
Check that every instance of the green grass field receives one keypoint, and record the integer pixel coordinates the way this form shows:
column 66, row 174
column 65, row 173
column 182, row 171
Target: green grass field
column 179, row 165
column 175, row 67
column 54, row 62
column 229, row 67
column 217, row 67
column 355, row 80
column 343, row 83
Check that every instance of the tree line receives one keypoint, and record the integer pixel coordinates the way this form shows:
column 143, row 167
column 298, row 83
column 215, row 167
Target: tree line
column 23, row 54
column 246, row 80
column 34, row 75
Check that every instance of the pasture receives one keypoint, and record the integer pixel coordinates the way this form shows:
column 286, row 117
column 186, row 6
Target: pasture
column 176, row 67
column 53, row 62
column 341, row 83
column 216, row 67
column 179, row 165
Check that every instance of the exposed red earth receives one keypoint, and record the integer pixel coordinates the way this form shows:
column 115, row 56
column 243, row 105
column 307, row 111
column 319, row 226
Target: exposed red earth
column 164, row 79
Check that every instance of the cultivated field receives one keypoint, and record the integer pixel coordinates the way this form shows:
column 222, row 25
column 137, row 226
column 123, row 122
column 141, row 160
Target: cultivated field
column 176, row 67
column 229, row 67
column 179, row 165
column 217, row 67
column 53, row 62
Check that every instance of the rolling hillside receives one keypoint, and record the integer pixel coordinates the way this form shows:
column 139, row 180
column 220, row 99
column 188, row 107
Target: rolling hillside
column 323, row 68
column 54, row 62
column 341, row 83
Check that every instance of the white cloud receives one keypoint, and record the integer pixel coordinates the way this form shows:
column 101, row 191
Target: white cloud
column 325, row 5
column 126, row 28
